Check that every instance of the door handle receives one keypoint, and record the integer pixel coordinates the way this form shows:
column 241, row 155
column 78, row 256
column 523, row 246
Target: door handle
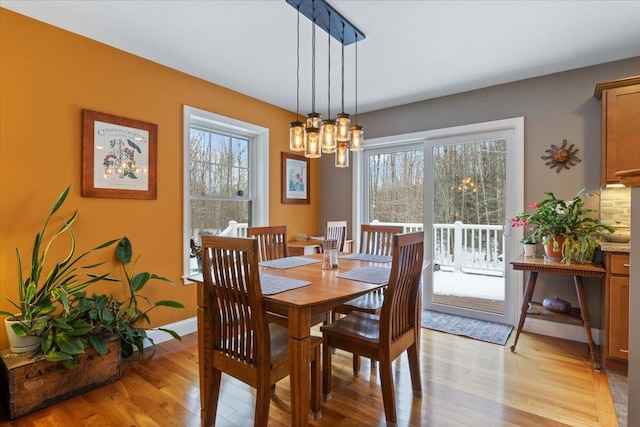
column 506, row 227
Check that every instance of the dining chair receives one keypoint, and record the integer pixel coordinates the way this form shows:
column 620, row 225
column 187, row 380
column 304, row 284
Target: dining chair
column 272, row 244
column 238, row 340
column 386, row 336
column 375, row 240
column 272, row 241
column 336, row 230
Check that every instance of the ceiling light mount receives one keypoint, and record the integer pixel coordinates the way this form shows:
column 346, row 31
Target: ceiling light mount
column 326, row 17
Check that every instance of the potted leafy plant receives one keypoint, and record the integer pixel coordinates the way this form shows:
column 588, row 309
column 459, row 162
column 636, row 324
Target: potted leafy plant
column 565, row 227
column 47, row 285
column 529, row 245
column 91, row 319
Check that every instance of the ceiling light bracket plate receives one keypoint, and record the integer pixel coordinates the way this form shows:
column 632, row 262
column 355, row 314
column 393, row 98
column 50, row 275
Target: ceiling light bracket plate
column 329, row 19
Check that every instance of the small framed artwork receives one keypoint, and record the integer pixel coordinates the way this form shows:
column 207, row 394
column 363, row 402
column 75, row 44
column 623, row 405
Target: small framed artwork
column 119, row 157
column 295, row 179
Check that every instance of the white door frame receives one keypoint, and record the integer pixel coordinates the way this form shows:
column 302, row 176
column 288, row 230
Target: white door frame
column 510, row 129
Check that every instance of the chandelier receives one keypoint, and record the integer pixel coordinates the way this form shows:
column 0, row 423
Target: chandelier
column 333, row 135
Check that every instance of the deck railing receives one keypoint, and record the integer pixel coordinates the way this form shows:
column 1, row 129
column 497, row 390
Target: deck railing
column 457, row 246
column 464, row 247
column 235, row 229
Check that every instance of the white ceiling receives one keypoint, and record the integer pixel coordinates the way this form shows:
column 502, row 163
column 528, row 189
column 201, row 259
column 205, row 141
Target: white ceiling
column 414, row 50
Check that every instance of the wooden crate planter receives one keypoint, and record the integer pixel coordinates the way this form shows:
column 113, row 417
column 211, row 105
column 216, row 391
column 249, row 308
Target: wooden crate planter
column 29, row 384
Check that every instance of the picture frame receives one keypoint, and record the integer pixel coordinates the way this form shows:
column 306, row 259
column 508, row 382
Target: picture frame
column 119, row 157
column 296, row 178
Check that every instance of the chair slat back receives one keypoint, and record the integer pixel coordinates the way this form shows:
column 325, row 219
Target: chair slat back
column 272, row 241
column 239, row 329
column 399, row 312
column 337, row 230
column 378, row 239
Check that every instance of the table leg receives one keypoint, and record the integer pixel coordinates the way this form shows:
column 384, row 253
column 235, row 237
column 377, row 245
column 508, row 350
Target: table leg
column 584, row 313
column 528, row 294
column 299, row 363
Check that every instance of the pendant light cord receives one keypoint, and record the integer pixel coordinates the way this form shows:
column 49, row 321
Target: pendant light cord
column 356, row 79
column 329, row 72
column 313, row 60
column 298, row 67
column 343, row 67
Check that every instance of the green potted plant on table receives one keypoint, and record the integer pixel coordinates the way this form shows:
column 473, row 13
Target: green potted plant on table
column 43, row 291
column 529, row 246
column 565, row 227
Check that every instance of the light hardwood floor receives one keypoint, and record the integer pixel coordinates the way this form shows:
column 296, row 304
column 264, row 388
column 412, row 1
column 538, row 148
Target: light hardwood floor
column 546, row 382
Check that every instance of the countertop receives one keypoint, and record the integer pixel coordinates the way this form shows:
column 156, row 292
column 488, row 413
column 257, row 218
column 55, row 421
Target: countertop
column 615, row 247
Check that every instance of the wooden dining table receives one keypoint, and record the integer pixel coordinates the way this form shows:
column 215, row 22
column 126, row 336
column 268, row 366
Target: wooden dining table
column 300, row 305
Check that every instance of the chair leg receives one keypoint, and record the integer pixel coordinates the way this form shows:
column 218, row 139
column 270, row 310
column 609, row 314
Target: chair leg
column 263, row 400
column 316, row 385
column 356, row 365
column 326, row 372
column 388, row 391
column 210, row 409
column 414, row 368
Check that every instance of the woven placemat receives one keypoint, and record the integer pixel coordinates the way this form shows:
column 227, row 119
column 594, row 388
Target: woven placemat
column 368, row 257
column 289, row 262
column 369, row 274
column 271, row 284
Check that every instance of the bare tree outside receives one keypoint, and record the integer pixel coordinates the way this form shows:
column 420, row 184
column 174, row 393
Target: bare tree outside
column 396, row 186
column 469, row 183
column 219, row 181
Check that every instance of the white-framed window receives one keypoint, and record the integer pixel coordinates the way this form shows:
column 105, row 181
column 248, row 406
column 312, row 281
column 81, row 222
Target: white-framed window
column 226, row 179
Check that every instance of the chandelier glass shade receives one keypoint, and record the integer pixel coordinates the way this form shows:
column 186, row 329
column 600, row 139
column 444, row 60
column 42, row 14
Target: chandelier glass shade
column 342, row 155
column 343, row 121
column 312, row 147
column 328, row 136
column 296, row 136
column 357, row 138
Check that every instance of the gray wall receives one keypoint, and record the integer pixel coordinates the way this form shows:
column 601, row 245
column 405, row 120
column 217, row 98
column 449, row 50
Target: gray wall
column 555, row 107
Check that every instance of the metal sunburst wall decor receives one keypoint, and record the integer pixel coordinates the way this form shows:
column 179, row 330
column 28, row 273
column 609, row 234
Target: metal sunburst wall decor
column 561, row 157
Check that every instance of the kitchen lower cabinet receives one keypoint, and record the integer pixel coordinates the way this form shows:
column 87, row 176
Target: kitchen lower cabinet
column 615, row 346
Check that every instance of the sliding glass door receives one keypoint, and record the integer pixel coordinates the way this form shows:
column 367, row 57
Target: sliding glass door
column 471, row 194
column 459, row 185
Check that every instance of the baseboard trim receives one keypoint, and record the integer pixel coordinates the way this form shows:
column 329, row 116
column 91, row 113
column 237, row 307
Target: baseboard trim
column 536, row 326
column 181, row 327
column 560, row 330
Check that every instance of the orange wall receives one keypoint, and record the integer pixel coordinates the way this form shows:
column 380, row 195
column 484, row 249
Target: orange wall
column 47, row 76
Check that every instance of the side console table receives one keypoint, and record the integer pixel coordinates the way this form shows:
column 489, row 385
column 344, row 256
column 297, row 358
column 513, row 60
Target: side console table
column 307, row 247
column 576, row 316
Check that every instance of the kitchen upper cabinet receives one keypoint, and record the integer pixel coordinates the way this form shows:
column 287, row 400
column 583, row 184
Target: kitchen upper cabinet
column 620, row 126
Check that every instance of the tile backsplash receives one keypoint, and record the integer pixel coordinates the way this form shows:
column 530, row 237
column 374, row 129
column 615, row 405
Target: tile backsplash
column 615, row 205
